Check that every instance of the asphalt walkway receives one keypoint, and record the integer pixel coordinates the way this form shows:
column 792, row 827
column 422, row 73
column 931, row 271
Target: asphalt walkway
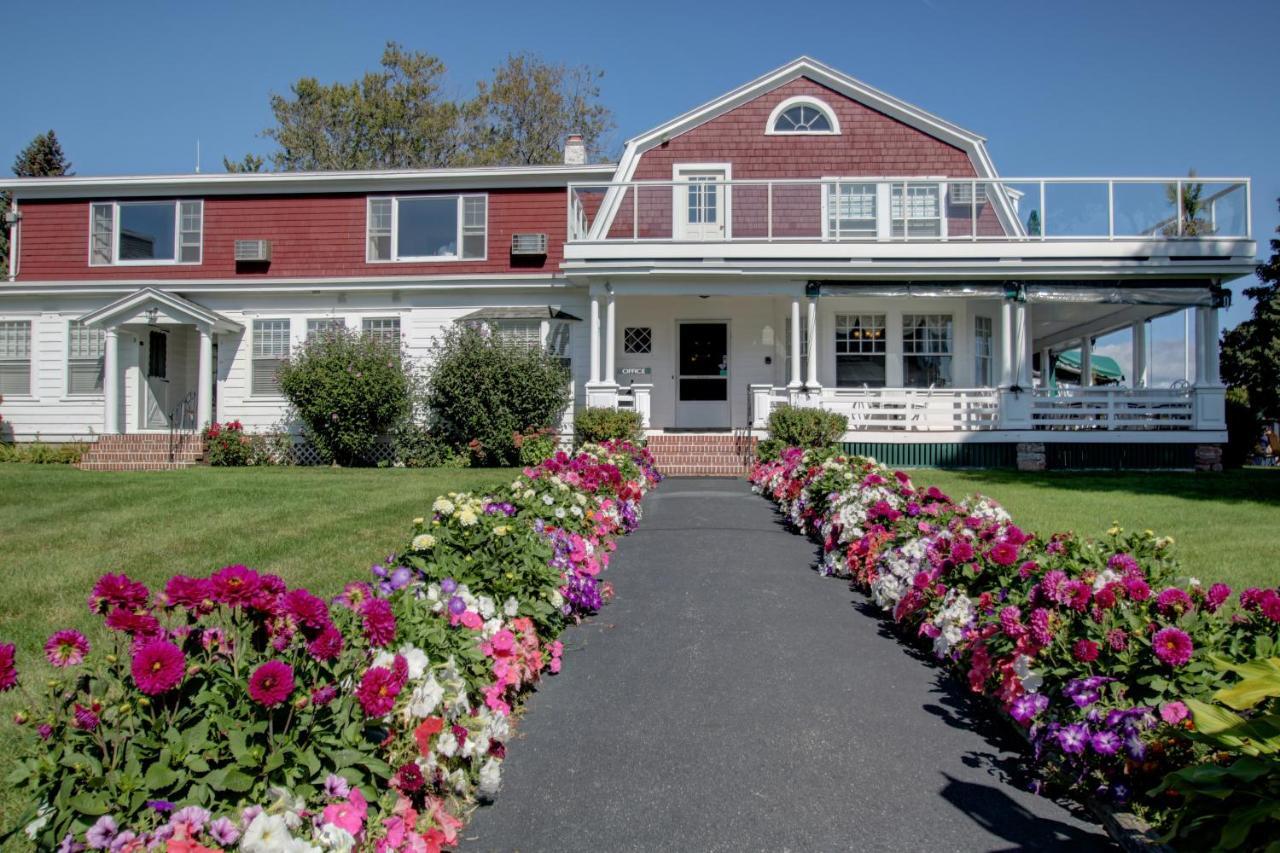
column 732, row 699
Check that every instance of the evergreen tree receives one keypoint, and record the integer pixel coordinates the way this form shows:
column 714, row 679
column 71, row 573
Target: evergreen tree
column 1251, row 351
column 42, row 158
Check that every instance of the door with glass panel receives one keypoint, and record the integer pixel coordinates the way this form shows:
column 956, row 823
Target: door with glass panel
column 702, row 374
column 701, row 203
column 155, row 382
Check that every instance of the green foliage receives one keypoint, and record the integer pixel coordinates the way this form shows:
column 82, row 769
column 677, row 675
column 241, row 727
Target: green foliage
column 596, row 425
column 349, row 390
column 1193, row 208
column 529, row 108
column 226, row 445
column 1243, row 429
column 42, row 158
column 1251, row 351
column 416, row 447
column 483, row 390
column 1232, row 800
column 538, row 446
column 401, row 117
column 39, row 453
column 810, row 428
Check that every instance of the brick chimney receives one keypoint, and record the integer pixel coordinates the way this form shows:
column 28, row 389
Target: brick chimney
column 575, row 150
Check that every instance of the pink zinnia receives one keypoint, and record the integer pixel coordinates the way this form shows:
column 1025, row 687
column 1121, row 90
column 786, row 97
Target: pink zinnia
column 1136, row 588
column 327, row 645
column 158, row 667
column 378, row 691
column 117, row 591
column 8, row 672
column 87, row 716
column 1173, row 601
column 1117, row 639
column 1173, row 712
column 308, row 610
column 1172, row 646
column 271, row 683
column 66, row 648
column 138, row 623
column 1004, row 553
column 1217, row 596
column 234, row 585
column 195, row 594
column 379, row 622
column 1041, row 631
column 1085, row 651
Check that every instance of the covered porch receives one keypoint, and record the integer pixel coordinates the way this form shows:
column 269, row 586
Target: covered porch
column 907, row 362
column 158, row 362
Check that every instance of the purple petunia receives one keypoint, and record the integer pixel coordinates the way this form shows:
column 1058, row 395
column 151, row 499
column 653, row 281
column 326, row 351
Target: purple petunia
column 102, row 833
column 1027, row 707
column 224, row 831
column 1073, row 738
column 1105, row 742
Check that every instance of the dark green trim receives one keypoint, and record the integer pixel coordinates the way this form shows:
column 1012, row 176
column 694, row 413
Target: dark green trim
column 1119, row 457
column 951, row 455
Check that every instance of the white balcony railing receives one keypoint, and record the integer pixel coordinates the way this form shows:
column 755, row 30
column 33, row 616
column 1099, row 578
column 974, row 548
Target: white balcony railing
column 911, row 209
column 1110, row 408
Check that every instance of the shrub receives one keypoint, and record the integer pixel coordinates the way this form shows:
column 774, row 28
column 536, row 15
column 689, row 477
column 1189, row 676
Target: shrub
column 416, row 447
column 40, row 453
column 592, row 426
column 537, row 446
column 800, row 427
column 348, row 390
column 483, row 390
column 226, row 445
column 1242, row 430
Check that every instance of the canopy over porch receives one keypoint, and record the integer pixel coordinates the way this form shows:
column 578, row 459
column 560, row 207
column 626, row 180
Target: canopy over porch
column 160, row 312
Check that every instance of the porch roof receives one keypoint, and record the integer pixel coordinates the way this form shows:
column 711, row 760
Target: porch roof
column 173, row 308
column 537, row 312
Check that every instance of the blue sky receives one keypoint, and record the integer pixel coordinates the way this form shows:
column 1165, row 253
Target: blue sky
column 1090, row 88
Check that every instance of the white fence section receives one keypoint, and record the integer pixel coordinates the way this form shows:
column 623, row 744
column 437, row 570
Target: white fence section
column 1109, row 408
column 912, row 409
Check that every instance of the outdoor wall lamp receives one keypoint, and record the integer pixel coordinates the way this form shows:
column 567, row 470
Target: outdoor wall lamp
column 153, row 314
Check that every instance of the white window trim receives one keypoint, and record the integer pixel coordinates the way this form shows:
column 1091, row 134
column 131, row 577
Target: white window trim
column 177, row 234
column 329, row 321
column 808, row 101
column 884, row 206
column 253, row 395
column 990, row 357
column 679, row 205
column 395, row 230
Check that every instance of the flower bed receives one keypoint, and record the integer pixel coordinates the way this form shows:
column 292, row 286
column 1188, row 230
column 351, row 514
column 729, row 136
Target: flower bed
column 1095, row 648
column 232, row 712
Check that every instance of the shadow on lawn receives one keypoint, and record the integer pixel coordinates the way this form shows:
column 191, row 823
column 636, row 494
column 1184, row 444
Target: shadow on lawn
column 1245, row 486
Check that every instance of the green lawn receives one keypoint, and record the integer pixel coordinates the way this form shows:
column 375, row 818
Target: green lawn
column 1226, row 527
column 61, row 528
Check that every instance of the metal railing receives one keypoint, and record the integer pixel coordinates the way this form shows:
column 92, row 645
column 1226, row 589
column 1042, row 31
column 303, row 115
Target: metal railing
column 911, row 209
column 182, row 422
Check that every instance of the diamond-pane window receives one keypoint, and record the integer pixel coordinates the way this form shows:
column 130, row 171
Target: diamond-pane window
column 637, row 340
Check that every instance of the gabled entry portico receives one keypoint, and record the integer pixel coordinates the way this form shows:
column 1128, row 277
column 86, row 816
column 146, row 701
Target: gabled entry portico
column 157, row 381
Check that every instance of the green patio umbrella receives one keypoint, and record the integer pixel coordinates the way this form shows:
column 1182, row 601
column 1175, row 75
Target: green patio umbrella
column 1105, row 368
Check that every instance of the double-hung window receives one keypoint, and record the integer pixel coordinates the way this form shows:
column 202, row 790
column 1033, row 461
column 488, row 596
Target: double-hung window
column 927, row 344
column 518, row 332
column 323, row 325
column 270, row 352
column 382, row 328
column 851, row 210
column 427, row 228
column 146, row 232
column 916, row 210
column 982, row 351
column 86, row 351
column 15, row 358
column 860, row 350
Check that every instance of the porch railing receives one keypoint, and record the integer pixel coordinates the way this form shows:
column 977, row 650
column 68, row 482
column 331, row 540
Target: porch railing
column 911, row 209
column 182, row 422
column 1109, row 408
column 910, row 409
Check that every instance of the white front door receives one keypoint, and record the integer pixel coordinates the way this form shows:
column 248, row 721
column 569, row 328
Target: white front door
column 155, row 380
column 702, row 374
column 701, row 202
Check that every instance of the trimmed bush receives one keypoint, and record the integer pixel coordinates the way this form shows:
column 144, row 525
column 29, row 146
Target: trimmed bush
column 226, row 445
column 415, row 447
column 348, row 390
column 537, row 446
column 592, row 426
column 40, row 453
column 484, row 390
column 792, row 426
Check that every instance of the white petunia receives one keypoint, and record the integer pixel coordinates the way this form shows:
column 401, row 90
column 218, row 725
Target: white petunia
column 486, row 606
column 266, row 833
column 490, row 779
column 511, row 607
column 424, row 699
column 416, row 658
column 1028, row 677
column 336, row 838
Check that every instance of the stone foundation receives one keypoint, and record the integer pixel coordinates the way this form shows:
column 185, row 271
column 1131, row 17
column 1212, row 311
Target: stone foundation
column 1031, row 456
column 1208, row 457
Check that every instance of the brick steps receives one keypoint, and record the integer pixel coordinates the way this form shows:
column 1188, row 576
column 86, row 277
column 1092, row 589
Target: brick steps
column 143, row 453
column 702, row 454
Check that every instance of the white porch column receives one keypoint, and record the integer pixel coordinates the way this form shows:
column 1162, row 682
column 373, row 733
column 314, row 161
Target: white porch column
column 610, row 341
column 1046, row 366
column 796, row 381
column 1006, row 344
column 1202, row 346
column 204, row 380
column 1086, row 361
column 1141, row 369
column 1022, row 344
column 811, row 381
column 1211, row 353
column 110, row 382
column 595, row 339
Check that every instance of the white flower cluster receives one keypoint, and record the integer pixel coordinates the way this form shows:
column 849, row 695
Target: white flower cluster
column 895, row 569
column 957, row 614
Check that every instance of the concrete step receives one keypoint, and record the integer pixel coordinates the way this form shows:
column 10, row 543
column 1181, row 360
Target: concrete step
column 134, row 466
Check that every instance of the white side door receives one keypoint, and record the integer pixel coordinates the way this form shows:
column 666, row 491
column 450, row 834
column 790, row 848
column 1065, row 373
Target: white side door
column 155, row 380
column 701, row 203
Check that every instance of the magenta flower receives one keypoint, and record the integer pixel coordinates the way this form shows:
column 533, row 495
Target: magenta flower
column 1117, row 639
column 66, row 648
column 378, row 691
column 195, row 594
column 1217, row 596
column 271, row 683
column 87, row 716
column 1003, row 553
column 1173, row 601
column 322, row 696
column 1173, row 712
column 379, row 622
column 327, row 645
column 1172, row 646
column 117, row 591
column 234, row 585
column 308, row 610
column 1085, row 651
column 158, row 667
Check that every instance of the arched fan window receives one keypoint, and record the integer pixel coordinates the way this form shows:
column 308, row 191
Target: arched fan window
column 803, row 116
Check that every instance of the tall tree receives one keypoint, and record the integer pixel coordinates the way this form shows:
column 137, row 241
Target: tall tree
column 529, row 108
column 42, row 158
column 1251, row 351
column 248, row 163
